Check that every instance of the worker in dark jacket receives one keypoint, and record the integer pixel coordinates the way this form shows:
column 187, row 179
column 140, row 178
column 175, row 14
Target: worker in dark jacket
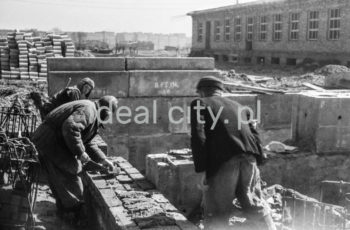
column 78, row 92
column 63, row 141
column 225, row 153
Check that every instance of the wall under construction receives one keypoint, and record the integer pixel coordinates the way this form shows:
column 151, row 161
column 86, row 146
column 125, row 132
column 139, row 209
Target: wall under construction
column 158, row 84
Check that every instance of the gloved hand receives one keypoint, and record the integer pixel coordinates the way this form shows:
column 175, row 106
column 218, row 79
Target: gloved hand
column 84, row 158
column 109, row 164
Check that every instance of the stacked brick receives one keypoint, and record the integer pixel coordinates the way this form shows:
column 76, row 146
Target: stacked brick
column 69, row 48
column 129, row 201
column 4, row 55
column 57, row 45
column 24, row 56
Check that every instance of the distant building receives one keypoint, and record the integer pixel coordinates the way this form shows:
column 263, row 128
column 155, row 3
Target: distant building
column 103, row 39
column 160, row 41
column 274, row 32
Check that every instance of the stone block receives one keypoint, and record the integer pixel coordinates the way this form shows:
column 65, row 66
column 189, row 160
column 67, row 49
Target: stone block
column 275, row 110
column 165, row 82
column 141, row 146
column 115, row 83
column 321, row 122
column 170, row 63
column 177, row 180
column 86, row 64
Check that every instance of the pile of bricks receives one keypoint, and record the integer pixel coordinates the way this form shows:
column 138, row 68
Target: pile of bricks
column 129, row 201
column 24, row 56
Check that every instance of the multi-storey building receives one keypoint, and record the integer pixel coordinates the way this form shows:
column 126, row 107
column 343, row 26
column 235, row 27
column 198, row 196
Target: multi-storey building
column 275, row 32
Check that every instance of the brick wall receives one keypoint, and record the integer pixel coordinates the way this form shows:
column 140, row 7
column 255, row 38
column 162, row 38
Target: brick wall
column 129, row 201
column 285, row 48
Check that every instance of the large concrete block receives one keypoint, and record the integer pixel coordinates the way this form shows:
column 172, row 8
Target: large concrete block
column 145, row 116
column 176, row 178
column 114, row 83
column 275, row 110
column 166, row 82
column 86, row 64
column 141, row 146
column 170, row 63
column 322, row 122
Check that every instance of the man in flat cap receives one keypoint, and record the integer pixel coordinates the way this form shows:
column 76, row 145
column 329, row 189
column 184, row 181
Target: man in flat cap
column 226, row 152
column 78, row 92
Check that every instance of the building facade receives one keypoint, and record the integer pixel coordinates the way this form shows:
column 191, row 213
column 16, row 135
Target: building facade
column 286, row 32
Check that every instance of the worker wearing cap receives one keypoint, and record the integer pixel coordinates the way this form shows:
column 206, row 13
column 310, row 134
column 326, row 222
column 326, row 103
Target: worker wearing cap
column 64, row 142
column 78, row 92
column 226, row 156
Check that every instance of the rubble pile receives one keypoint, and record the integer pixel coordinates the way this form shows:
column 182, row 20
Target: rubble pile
column 25, row 57
column 290, row 84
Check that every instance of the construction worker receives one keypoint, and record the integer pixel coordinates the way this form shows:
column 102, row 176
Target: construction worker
column 64, row 143
column 78, row 92
column 226, row 156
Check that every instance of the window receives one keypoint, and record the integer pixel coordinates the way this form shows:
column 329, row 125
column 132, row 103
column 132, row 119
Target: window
column 277, row 27
column 217, row 31
column 334, row 24
column 200, row 32
column 275, row 60
column 227, row 29
column 294, row 26
column 250, row 25
column 238, row 29
column 313, row 25
column 263, row 28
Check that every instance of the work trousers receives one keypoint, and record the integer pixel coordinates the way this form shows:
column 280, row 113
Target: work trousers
column 66, row 188
column 239, row 177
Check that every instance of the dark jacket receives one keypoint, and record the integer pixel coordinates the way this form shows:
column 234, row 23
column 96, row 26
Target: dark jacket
column 64, row 96
column 67, row 133
column 212, row 147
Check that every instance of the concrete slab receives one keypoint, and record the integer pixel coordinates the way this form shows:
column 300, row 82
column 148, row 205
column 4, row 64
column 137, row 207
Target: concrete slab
column 166, row 82
column 322, row 122
column 86, row 64
column 275, row 110
column 115, row 83
column 170, row 63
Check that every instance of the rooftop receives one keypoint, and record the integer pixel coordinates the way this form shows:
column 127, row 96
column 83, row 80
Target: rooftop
column 235, row 6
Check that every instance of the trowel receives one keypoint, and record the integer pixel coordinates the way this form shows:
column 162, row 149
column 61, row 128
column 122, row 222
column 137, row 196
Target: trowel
column 94, row 166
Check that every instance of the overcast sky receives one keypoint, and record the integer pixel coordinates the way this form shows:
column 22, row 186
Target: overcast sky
column 157, row 16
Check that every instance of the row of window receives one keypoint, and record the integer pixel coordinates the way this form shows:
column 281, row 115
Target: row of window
column 313, row 25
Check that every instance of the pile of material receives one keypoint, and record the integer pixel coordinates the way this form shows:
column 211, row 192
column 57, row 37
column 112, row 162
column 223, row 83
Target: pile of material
column 24, row 56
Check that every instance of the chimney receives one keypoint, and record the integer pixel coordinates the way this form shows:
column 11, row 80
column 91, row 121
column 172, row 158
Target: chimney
column 237, row 1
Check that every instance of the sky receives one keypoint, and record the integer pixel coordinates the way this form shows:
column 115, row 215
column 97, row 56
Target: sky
column 156, row 16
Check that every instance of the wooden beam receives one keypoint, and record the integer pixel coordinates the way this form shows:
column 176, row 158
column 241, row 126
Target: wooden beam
column 317, row 88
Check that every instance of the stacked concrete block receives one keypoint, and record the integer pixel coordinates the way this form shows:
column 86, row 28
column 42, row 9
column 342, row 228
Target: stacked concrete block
column 47, row 41
column 160, row 88
column 321, row 122
column 173, row 174
column 57, row 45
column 68, row 48
column 23, row 59
column 108, row 73
column 33, row 63
column 4, row 56
column 129, row 201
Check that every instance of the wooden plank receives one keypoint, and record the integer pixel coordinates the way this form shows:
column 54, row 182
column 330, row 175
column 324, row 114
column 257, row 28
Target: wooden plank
column 253, row 88
column 317, row 88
